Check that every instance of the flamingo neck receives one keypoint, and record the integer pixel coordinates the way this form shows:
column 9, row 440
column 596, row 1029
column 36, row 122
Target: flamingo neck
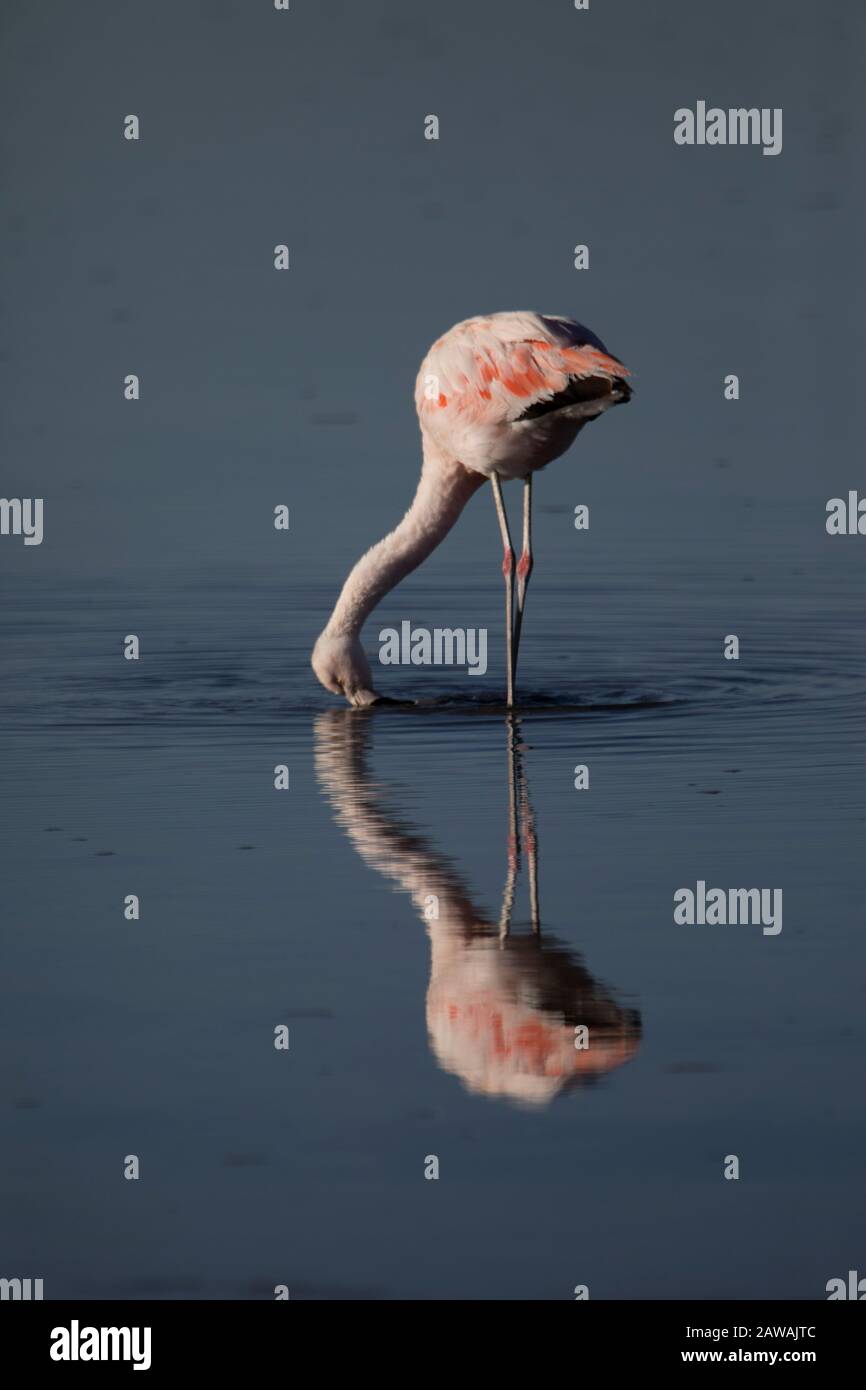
column 444, row 488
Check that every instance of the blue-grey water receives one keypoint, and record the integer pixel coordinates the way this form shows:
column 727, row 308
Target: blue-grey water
column 410, row 1036
column 261, row 908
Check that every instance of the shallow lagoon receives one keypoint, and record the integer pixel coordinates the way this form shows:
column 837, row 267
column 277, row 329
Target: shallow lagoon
column 410, row 1038
column 707, row 517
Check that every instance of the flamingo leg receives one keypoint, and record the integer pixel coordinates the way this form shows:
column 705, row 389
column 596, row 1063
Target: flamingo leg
column 508, row 574
column 520, row 819
column 530, row 840
column 524, row 565
column 513, row 840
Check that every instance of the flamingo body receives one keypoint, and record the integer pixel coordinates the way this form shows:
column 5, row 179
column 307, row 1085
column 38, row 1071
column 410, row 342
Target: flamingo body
column 507, row 393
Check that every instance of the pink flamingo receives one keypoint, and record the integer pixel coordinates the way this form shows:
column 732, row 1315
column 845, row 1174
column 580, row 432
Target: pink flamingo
column 498, row 397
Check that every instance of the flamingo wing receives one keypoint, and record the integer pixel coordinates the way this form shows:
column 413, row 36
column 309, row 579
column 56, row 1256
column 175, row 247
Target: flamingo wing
column 517, row 367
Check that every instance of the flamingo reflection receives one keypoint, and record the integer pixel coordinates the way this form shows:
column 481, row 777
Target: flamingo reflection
column 503, row 1007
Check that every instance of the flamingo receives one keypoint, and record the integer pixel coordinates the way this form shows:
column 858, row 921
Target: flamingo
column 502, row 1005
column 498, row 397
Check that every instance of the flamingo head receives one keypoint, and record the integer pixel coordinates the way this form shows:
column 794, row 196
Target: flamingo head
column 341, row 666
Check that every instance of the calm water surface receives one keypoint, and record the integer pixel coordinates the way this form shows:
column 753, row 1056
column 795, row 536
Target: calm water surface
column 412, row 1037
